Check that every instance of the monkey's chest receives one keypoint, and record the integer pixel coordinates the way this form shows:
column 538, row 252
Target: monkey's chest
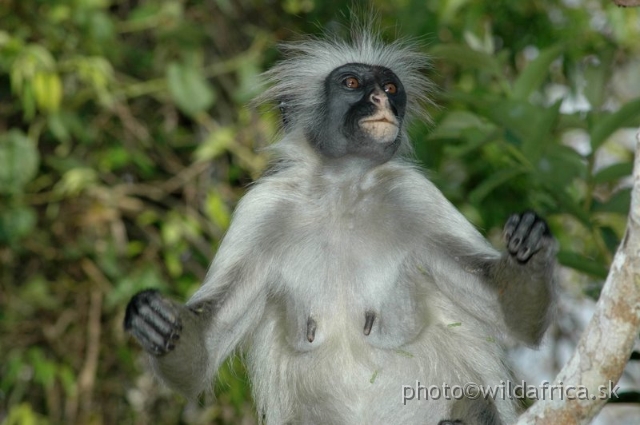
column 348, row 281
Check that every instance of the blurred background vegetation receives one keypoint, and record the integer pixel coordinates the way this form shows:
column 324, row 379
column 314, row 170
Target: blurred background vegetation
column 126, row 141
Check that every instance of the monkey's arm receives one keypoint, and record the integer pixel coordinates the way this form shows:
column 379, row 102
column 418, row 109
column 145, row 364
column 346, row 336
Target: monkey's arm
column 187, row 343
column 523, row 277
column 513, row 291
column 173, row 336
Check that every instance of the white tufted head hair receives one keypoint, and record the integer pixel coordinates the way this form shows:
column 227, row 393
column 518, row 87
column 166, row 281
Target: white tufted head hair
column 298, row 80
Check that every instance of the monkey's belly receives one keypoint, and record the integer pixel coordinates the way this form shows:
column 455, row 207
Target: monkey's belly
column 366, row 292
column 351, row 381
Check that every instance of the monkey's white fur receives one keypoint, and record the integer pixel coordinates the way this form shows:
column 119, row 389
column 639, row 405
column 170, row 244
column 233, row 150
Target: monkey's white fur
column 314, row 240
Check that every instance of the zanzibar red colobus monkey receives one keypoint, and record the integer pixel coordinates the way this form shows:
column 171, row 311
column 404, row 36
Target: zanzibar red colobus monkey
column 345, row 274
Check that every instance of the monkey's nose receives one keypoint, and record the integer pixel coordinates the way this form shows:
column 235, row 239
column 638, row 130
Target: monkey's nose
column 378, row 97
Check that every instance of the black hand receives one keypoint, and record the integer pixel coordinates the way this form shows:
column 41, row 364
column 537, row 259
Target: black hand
column 525, row 234
column 153, row 321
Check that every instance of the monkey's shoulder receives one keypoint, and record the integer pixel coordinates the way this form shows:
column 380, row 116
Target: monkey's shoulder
column 393, row 202
column 391, row 205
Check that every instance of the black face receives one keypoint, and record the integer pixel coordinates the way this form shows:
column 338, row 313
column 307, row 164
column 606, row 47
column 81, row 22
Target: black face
column 363, row 113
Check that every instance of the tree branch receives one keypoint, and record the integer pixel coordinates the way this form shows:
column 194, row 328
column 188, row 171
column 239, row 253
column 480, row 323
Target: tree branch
column 627, row 3
column 607, row 342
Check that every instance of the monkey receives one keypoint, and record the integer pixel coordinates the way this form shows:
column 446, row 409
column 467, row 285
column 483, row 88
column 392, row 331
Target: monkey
column 345, row 273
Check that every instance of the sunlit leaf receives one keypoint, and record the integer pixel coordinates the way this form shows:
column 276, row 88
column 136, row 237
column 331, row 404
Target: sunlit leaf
column 215, row 144
column 47, row 89
column 188, row 88
column 217, row 210
column 76, row 180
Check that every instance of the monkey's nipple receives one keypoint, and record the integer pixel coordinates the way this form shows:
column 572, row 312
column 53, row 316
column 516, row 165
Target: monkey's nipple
column 369, row 318
column 311, row 329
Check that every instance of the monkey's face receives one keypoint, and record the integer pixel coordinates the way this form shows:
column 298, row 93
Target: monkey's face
column 363, row 113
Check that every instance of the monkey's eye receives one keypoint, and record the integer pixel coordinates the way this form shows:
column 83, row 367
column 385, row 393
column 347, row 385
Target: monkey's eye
column 390, row 88
column 351, row 82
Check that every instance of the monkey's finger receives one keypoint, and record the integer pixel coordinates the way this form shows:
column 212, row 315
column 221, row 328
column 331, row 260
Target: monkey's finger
column 510, row 226
column 164, row 309
column 533, row 242
column 149, row 337
column 159, row 321
column 521, row 232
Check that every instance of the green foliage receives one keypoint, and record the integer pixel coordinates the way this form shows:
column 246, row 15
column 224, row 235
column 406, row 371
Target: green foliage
column 188, row 88
column 19, row 158
column 125, row 143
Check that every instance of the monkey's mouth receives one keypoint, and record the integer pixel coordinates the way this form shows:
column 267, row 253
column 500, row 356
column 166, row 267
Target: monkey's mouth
column 381, row 129
column 381, row 120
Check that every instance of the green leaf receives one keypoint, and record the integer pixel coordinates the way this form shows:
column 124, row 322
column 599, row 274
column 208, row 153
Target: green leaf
column 618, row 203
column 215, row 144
column 535, row 73
column 516, row 116
column 249, row 81
column 496, row 179
column 58, row 127
column 16, row 223
column 455, row 123
column 610, row 238
column 217, row 210
column 613, row 172
column 143, row 277
column 541, row 132
column 597, row 73
column 19, row 161
column 605, row 126
column 47, row 89
column 76, row 180
column 581, row 263
column 188, row 88
column 44, row 370
column 69, row 380
column 560, row 166
column 467, row 57
column 566, row 203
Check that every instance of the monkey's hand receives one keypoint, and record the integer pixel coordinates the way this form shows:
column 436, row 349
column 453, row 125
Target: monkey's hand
column 154, row 321
column 525, row 234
